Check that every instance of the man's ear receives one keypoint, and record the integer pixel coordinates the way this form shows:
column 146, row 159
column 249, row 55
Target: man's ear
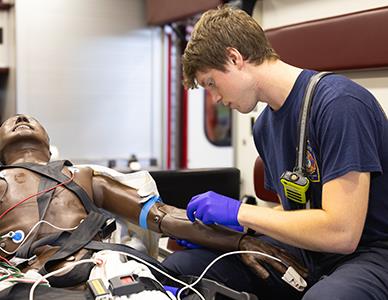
column 235, row 57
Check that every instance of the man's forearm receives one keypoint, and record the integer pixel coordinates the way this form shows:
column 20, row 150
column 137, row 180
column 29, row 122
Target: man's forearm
column 278, row 207
column 337, row 227
column 308, row 229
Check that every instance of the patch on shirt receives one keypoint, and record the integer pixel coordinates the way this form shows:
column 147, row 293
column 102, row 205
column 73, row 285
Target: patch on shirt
column 312, row 168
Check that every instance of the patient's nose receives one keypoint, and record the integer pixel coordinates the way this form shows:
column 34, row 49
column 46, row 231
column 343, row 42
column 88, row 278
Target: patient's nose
column 22, row 119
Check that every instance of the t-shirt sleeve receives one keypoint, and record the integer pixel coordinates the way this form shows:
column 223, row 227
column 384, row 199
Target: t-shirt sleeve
column 348, row 138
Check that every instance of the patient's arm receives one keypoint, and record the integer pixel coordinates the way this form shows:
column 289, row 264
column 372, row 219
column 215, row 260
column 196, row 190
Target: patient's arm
column 124, row 201
column 174, row 223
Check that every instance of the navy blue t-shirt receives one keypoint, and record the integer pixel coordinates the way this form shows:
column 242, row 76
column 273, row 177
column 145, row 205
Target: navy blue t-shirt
column 348, row 131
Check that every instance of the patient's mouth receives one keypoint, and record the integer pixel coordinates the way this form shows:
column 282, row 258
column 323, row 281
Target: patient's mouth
column 21, row 127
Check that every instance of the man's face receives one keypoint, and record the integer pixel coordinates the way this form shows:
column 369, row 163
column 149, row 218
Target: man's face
column 22, row 128
column 234, row 88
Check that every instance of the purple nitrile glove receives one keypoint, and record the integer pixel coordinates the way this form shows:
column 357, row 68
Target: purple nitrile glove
column 187, row 244
column 212, row 208
column 174, row 290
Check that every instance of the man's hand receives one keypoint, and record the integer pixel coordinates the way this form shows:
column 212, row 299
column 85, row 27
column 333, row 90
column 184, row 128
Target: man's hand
column 213, row 208
column 254, row 261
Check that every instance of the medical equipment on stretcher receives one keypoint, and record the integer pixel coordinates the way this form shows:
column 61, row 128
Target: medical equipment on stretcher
column 138, row 282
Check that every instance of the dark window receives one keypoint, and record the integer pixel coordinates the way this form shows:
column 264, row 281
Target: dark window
column 218, row 123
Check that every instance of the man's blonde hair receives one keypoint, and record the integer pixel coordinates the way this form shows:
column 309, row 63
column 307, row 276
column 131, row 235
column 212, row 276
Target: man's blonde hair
column 216, row 31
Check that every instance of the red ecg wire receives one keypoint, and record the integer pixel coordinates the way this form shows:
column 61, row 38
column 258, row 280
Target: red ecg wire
column 37, row 194
column 6, row 260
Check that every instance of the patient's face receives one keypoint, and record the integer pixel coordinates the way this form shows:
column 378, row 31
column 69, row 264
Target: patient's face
column 22, row 129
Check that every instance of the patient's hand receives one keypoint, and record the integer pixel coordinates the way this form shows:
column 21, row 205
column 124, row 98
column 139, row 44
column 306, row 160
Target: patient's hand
column 254, row 261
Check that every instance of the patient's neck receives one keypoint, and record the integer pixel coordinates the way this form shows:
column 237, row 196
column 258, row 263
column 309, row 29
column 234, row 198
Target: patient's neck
column 30, row 155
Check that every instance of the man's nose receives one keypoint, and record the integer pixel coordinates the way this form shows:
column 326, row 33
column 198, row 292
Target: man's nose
column 216, row 98
column 22, row 119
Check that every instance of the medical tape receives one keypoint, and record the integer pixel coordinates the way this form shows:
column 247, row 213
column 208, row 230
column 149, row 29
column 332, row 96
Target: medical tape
column 145, row 210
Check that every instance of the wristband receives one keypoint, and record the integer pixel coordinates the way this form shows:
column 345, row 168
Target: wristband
column 145, row 210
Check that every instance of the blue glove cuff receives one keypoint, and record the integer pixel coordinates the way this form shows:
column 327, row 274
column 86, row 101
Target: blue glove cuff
column 172, row 289
column 237, row 209
column 145, row 210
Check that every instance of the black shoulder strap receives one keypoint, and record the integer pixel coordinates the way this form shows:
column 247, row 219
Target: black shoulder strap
column 43, row 201
column 51, row 171
column 80, row 237
column 303, row 121
column 51, row 174
column 46, row 183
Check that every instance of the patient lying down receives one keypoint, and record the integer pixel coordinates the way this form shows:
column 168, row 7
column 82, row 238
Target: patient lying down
column 50, row 212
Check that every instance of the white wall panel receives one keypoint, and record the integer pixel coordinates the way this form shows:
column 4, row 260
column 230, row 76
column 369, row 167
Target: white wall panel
column 88, row 70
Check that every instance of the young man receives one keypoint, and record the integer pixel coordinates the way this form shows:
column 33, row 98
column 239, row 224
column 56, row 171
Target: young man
column 35, row 190
column 343, row 237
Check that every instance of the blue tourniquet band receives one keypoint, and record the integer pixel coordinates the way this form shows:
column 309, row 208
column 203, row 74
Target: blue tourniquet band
column 146, row 208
